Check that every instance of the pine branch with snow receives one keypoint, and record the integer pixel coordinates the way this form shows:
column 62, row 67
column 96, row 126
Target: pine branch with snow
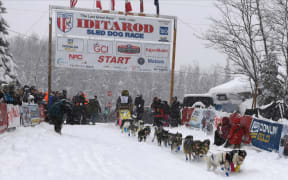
column 7, row 65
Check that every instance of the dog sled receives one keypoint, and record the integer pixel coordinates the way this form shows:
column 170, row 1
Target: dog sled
column 124, row 115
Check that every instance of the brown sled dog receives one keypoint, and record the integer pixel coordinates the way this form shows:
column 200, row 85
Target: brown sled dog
column 196, row 149
column 161, row 135
column 175, row 141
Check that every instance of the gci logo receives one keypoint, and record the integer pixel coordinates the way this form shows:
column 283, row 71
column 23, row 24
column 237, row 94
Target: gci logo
column 101, row 48
column 75, row 56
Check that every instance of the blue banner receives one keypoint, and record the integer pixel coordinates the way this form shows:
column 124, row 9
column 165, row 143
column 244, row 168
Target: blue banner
column 265, row 135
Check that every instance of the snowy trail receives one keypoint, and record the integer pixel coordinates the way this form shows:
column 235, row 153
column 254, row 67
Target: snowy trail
column 103, row 152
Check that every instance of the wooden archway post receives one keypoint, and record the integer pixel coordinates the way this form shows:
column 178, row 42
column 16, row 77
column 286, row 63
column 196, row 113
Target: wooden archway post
column 50, row 54
column 173, row 60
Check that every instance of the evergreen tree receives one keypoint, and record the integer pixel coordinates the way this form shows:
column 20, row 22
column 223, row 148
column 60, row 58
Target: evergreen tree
column 7, row 70
column 271, row 89
column 227, row 71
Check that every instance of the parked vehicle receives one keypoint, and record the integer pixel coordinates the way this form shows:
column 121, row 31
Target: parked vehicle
column 191, row 99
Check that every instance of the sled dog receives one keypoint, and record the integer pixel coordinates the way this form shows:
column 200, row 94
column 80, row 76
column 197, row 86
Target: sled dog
column 196, row 148
column 161, row 135
column 143, row 133
column 175, row 141
column 226, row 160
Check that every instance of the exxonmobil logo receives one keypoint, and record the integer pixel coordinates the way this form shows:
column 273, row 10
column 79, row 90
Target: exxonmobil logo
column 115, row 26
column 75, row 56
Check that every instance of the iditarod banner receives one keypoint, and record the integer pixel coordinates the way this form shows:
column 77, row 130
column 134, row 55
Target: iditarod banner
column 95, row 40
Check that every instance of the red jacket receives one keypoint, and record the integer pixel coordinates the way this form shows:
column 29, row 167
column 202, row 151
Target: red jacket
column 225, row 128
column 235, row 134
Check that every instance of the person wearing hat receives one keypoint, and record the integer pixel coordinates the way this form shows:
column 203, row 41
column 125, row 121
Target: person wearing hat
column 139, row 104
column 57, row 111
column 94, row 109
column 124, row 102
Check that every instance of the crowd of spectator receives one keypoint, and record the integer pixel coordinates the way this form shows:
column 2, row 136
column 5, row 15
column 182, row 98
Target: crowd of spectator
column 16, row 95
column 165, row 114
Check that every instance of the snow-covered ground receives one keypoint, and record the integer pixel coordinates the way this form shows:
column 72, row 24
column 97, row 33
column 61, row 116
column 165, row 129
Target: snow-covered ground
column 102, row 152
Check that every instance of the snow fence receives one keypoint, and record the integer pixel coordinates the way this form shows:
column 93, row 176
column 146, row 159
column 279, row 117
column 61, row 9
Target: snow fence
column 12, row 116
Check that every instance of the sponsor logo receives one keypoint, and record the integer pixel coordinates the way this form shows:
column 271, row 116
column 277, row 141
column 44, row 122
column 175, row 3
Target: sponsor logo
column 163, row 39
column 163, row 30
column 128, row 49
column 65, row 22
column 262, row 127
column 155, row 61
column 70, row 41
column 141, row 61
column 61, row 61
column 75, row 56
column 70, row 45
column 163, row 69
column 98, row 48
column 158, row 50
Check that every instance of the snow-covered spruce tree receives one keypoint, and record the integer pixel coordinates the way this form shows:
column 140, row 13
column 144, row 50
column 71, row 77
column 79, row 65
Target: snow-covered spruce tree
column 271, row 89
column 7, row 66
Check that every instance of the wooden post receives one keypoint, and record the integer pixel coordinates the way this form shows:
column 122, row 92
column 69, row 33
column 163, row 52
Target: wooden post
column 173, row 61
column 50, row 55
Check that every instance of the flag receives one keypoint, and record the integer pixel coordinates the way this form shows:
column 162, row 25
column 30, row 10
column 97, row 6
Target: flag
column 73, row 3
column 112, row 5
column 98, row 4
column 128, row 6
column 156, row 3
column 141, row 6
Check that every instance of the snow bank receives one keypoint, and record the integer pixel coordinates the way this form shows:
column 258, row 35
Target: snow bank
column 103, row 152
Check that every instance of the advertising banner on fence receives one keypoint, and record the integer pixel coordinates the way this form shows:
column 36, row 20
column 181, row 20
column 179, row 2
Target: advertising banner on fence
column 34, row 114
column 186, row 114
column 42, row 112
column 26, row 121
column 196, row 118
column 3, row 117
column 94, row 40
column 200, row 117
column 265, row 135
column 13, row 113
column 30, row 114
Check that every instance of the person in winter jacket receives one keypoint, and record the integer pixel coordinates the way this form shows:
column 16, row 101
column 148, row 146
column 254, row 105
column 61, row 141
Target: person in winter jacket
column 158, row 111
column 57, row 111
column 175, row 112
column 124, row 101
column 235, row 134
column 139, row 104
column 94, row 109
column 166, row 109
column 222, row 131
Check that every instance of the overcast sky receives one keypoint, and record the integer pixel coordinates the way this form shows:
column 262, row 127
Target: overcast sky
column 31, row 16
